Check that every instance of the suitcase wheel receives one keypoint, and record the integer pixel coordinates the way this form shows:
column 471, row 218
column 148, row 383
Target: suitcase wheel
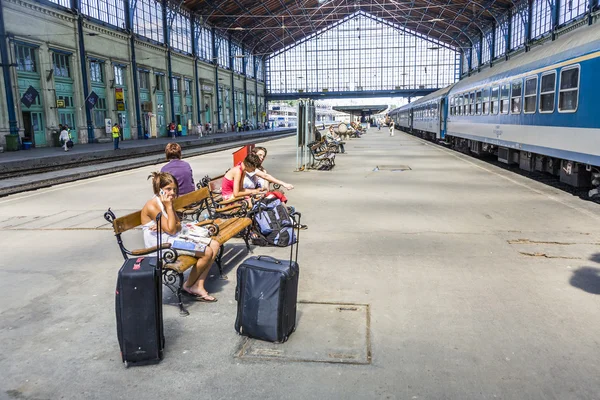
column 126, row 364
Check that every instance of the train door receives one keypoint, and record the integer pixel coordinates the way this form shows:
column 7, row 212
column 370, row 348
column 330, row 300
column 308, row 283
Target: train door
column 410, row 120
column 442, row 118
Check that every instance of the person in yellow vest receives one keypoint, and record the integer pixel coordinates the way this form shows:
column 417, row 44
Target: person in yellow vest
column 239, row 124
column 115, row 134
column 179, row 129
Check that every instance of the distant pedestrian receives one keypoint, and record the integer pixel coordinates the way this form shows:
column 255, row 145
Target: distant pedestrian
column 64, row 137
column 116, row 134
column 179, row 129
column 172, row 129
column 392, row 128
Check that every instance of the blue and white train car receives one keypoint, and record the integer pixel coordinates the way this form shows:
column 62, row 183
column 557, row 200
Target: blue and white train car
column 539, row 109
column 429, row 114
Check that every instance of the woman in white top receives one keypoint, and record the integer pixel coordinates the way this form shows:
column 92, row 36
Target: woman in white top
column 64, row 137
column 165, row 191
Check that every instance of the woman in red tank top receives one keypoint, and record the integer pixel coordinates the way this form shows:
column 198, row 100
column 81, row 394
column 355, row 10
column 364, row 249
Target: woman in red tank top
column 232, row 184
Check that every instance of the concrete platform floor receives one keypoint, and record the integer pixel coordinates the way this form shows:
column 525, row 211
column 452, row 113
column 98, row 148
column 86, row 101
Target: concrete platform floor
column 480, row 284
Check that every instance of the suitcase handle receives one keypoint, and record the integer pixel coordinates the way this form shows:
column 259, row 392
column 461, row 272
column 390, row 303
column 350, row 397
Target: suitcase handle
column 276, row 261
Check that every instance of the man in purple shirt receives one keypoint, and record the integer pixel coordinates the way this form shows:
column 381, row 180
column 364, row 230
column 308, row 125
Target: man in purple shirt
column 181, row 170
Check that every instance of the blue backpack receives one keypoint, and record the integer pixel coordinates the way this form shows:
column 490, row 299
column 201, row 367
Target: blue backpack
column 272, row 224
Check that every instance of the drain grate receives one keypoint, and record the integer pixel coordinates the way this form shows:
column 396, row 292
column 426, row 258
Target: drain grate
column 392, row 168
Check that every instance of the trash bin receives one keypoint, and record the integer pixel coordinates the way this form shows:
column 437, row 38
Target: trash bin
column 238, row 156
column 12, row 142
column 55, row 139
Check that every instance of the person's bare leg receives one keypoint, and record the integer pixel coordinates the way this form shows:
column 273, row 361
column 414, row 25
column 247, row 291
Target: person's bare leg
column 195, row 282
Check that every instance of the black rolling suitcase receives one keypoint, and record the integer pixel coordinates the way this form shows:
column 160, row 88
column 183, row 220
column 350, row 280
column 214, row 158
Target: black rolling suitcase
column 266, row 292
column 139, row 310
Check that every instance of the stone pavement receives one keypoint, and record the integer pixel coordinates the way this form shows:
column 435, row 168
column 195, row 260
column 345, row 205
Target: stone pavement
column 453, row 279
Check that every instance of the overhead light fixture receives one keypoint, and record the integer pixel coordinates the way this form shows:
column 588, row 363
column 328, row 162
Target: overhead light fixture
column 237, row 28
column 433, row 48
column 435, row 20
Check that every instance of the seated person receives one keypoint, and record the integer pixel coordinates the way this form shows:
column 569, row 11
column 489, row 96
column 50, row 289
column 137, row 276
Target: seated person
column 260, row 178
column 332, row 137
column 181, row 170
column 233, row 182
column 165, row 191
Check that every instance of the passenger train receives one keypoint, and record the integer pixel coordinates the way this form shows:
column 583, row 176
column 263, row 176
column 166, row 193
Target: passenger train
column 538, row 110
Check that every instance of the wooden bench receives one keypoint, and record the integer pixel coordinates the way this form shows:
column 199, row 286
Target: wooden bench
column 175, row 265
column 322, row 159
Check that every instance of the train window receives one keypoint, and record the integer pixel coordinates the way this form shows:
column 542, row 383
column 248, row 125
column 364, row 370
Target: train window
column 485, row 95
column 478, row 102
column 569, row 89
column 495, row 100
column 504, row 99
column 472, row 103
column 465, row 110
column 547, row 89
column 515, row 101
column 530, row 95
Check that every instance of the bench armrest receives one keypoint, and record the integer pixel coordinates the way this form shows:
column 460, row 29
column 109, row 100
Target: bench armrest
column 210, row 224
column 140, row 252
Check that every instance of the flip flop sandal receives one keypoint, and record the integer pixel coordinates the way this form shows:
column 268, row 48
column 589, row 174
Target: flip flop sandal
column 199, row 297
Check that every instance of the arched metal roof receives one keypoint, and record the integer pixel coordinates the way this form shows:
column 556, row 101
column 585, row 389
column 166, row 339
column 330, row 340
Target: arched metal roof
column 270, row 25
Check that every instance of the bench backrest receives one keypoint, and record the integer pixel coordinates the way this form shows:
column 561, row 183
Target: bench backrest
column 215, row 184
column 134, row 219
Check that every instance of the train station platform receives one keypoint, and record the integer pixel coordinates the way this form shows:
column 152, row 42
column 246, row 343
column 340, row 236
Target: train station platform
column 424, row 274
column 41, row 167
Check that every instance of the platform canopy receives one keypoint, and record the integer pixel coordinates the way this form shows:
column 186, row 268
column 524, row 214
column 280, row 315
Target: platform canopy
column 361, row 110
column 271, row 25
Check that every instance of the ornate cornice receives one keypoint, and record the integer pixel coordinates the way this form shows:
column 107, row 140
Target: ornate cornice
column 23, row 6
column 104, row 30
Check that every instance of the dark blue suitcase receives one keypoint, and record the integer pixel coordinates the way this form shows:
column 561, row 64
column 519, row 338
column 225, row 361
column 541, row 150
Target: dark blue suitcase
column 139, row 311
column 138, row 305
column 267, row 292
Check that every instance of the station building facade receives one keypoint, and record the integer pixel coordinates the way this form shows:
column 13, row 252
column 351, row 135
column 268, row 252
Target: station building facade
column 217, row 81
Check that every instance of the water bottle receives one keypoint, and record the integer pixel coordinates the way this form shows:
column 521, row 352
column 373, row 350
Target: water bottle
column 203, row 217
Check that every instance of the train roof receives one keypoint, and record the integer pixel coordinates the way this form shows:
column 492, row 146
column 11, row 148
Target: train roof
column 431, row 96
column 579, row 42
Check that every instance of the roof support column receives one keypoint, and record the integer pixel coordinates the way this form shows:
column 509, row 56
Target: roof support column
column 231, row 66
column 129, row 11
column 10, row 102
column 470, row 60
column 528, row 26
column 493, row 44
column 215, row 60
column 555, row 10
column 195, row 35
column 509, row 29
column 591, row 6
column 245, row 66
column 480, row 50
column 84, row 76
column 255, row 66
column 167, row 35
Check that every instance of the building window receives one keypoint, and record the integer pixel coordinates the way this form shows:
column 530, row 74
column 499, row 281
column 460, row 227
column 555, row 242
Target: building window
column 148, row 20
column 530, row 95
column 541, row 18
column 176, row 85
column 495, row 100
column 181, row 38
column 119, row 75
column 500, row 44
column 160, row 85
column 504, row 94
column 25, row 58
column 569, row 89
column 61, row 65
column 187, row 87
column 109, row 11
column 571, row 9
column 96, row 74
column 515, row 102
column 547, row 89
column 517, row 38
column 64, row 3
column 144, row 80
column 100, row 112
